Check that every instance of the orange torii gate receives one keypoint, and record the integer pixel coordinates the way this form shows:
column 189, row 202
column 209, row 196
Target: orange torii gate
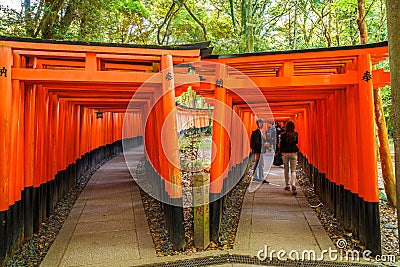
column 51, row 94
column 328, row 93
column 53, row 91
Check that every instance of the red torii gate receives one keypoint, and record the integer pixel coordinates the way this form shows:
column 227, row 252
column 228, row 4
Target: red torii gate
column 328, row 93
column 51, row 91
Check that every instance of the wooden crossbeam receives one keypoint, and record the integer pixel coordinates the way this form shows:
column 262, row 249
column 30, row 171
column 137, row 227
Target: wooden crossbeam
column 133, row 78
column 65, row 48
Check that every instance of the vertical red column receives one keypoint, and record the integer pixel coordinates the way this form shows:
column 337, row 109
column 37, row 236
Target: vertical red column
column 247, row 125
column 169, row 111
column 67, row 133
column 318, row 128
column 312, row 133
column 335, row 143
column 311, row 121
column 61, row 135
column 352, row 138
column 218, row 133
column 237, row 148
column 20, row 140
column 324, row 145
column 78, row 131
column 159, row 155
column 166, row 122
column 86, row 130
column 37, row 176
column 369, row 184
column 329, row 138
column 154, row 141
column 306, row 138
column 368, row 179
column 50, row 131
column 30, row 127
column 344, row 141
column 5, row 117
column 16, row 164
column 83, row 132
column 228, row 138
column 338, row 134
column 54, row 134
column 46, row 137
column 343, row 171
column 89, row 126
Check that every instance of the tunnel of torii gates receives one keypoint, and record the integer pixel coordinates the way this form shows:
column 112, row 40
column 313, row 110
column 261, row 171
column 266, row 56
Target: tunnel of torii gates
column 52, row 91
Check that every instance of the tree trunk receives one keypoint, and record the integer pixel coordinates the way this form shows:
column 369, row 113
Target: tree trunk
column 28, row 18
column 68, row 17
column 50, row 15
column 232, row 7
column 393, row 21
column 295, row 28
column 362, row 26
column 384, row 150
column 195, row 19
column 249, row 27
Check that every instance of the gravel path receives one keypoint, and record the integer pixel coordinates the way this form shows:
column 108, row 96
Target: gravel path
column 331, row 225
column 388, row 215
column 33, row 251
column 229, row 220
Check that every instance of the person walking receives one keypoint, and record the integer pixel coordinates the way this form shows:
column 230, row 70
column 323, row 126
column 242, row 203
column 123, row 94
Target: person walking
column 270, row 137
column 289, row 149
column 257, row 146
column 277, row 161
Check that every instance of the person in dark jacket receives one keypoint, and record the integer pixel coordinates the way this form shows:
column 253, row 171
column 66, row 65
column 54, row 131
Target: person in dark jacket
column 278, row 130
column 257, row 146
column 289, row 149
column 270, row 137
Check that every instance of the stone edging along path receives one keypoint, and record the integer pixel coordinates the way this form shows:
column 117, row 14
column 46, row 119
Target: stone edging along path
column 33, row 251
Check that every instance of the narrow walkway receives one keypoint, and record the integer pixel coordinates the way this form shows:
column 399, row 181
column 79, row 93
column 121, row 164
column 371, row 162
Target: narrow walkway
column 108, row 227
column 275, row 218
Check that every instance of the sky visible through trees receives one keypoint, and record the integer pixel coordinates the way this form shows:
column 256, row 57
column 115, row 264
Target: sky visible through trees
column 12, row 4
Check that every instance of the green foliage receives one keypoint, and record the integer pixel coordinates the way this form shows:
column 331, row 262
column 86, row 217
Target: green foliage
column 382, row 196
column 193, row 146
column 232, row 26
column 191, row 100
column 101, row 20
column 185, row 29
column 11, row 22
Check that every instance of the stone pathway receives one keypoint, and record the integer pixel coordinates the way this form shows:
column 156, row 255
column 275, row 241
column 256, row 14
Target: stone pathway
column 108, row 227
column 277, row 219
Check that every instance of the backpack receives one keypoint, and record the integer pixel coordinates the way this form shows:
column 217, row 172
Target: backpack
column 278, row 161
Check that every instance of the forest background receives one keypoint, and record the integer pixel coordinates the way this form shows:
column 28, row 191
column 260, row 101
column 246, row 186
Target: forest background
column 232, row 26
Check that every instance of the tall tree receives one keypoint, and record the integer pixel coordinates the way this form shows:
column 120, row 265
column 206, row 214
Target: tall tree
column 384, row 149
column 173, row 12
column 28, row 17
column 393, row 22
column 50, row 14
